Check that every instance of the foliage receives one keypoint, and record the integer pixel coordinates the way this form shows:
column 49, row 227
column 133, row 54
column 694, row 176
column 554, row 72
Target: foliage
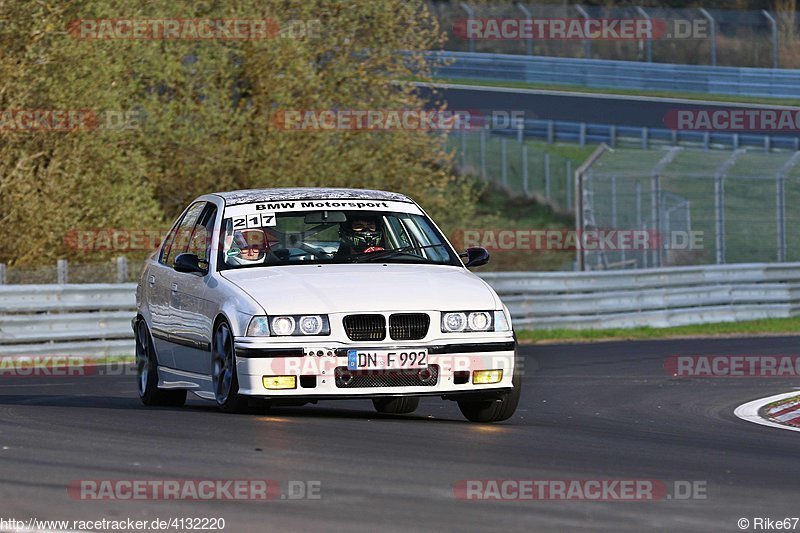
column 201, row 114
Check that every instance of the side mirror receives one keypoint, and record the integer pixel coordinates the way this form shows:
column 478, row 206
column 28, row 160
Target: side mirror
column 475, row 256
column 190, row 263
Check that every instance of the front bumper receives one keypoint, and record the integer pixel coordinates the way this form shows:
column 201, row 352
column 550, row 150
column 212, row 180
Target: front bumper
column 317, row 375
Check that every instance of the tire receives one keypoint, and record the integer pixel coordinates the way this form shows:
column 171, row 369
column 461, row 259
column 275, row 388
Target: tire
column 495, row 410
column 147, row 373
column 223, row 371
column 396, row 406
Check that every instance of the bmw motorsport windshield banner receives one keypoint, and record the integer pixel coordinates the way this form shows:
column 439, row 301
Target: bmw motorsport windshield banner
column 317, row 205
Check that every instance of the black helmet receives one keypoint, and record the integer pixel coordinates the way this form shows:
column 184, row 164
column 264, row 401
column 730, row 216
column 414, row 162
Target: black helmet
column 364, row 239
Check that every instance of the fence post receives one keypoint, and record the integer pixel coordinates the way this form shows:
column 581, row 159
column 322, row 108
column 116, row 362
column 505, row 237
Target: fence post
column 706, row 142
column 122, row 269
column 3, row 279
column 767, row 143
column 551, row 132
column 613, row 202
column 520, row 131
column 735, row 141
column 463, row 150
column 712, row 36
column 655, row 210
column 569, row 183
column 587, row 43
column 719, row 202
column 483, row 153
column 612, row 135
column 504, row 161
column 719, row 210
column 528, row 42
column 773, row 26
column 638, row 204
column 525, row 188
column 548, row 190
column 579, row 207
column 582, row 134
column 780, row 215
column 471, row 15
column 62, row 271
column 645, row 138
column 649, row 42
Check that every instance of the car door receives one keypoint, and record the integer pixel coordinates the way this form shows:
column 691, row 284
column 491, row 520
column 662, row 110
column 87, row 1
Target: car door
column 157, row 281
column 192, row 311
column 160, row 280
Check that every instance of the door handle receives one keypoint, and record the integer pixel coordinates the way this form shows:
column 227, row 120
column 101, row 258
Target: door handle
column 151, row 280
column 174, row 287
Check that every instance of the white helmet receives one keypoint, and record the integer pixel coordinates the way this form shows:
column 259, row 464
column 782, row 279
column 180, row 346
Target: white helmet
column 246, row 247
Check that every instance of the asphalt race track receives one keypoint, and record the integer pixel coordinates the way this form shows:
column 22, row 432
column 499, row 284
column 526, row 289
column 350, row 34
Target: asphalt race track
column 622, row 110
column 602, row 411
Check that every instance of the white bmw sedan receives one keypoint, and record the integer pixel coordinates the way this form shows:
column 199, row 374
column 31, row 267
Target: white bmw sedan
column 297, row 295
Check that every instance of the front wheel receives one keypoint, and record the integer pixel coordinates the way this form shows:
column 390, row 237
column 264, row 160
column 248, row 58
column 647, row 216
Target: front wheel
column 396, row 406
column 147, row 373
column 223, row 373
column 495, row 410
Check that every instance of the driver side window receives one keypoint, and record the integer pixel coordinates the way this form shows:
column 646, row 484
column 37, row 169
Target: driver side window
column 178, row 241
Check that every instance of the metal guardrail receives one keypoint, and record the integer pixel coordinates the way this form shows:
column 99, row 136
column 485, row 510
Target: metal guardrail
column 77, row 319
column 660, row 297
column 610, row 74
column 94, row 319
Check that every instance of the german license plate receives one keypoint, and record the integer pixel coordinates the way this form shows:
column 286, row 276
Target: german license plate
column 387, row 360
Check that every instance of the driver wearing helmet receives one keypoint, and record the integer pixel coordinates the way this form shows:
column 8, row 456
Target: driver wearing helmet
column 245, row 247
column 360, row 235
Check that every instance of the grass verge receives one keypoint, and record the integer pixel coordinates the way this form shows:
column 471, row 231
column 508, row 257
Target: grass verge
column 770, row 326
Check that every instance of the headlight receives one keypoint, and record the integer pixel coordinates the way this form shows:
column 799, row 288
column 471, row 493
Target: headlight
column 468, row 321
column 311, row 325
column 452, row 322
column 479, row 321
column 259, row 327
column 285, row 325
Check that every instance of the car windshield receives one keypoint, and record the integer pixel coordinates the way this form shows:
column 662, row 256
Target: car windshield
column 334, row 237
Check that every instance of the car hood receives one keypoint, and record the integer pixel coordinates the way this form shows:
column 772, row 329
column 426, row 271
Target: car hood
column 299, row 289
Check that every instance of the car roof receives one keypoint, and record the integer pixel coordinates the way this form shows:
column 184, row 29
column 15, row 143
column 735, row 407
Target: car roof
column 308, row 193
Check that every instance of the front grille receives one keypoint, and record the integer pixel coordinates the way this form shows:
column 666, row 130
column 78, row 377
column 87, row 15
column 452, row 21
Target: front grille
column 354, row 379
column 409, row 326
column 365, row 327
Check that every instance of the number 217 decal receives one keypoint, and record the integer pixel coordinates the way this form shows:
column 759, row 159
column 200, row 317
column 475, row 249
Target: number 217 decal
column 255, row 220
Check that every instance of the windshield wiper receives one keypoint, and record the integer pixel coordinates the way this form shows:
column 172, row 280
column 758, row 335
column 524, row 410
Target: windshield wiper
column 369, row 256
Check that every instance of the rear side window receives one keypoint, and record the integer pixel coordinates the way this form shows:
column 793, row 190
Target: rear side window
column 178, row 239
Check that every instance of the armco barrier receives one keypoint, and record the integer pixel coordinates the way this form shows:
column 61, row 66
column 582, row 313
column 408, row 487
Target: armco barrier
column 90, row 319
column 94, row 319
column 609, row 74
column 659, row 297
